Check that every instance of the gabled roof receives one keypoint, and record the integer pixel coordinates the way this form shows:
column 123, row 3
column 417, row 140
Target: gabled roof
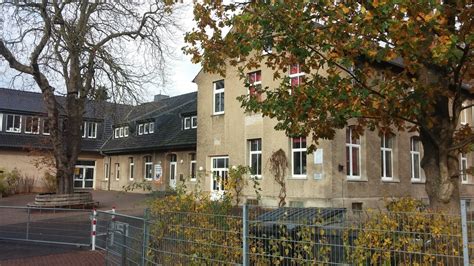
column 169, row 134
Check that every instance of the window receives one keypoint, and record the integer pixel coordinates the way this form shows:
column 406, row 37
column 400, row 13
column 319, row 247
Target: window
column 463, row 115
column 415, row 159
column 13, row 123
column 125, row 131
column 131, row 168
column 463, row 166
column 152, row 127
column 296, row 75
column 255, row 80
column 83, row 129
column 117, row 171
column 146, row 128
column 32, row 125
column 192, row 166
column 106, row 171
column 219, row 170
column 1, row 122
column 352, row 154
column 91, row 129
column 148, row 168
column 255, row 147
column 219, row 97
column 187, row 122
column 121, row 132
column 298, row 155
column 117, row 133
column 386, row 151
column 194, row 122
column 46, row 130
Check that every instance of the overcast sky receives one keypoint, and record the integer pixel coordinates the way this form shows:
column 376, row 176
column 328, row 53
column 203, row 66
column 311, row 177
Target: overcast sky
column 180, row 69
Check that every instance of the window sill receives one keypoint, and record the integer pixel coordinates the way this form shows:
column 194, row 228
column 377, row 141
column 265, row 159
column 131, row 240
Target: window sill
column 416, row 181
column 217, row 114
column 192, row 179
column 355, row 179
column 389, row 180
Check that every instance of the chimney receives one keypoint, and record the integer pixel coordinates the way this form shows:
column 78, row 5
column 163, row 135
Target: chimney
column 160, row 97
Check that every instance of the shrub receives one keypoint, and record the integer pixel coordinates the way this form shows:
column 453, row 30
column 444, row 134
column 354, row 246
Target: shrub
column 407, row 234
column 49, row 181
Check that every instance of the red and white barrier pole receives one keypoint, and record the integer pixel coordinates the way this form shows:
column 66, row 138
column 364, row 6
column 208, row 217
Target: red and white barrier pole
column 94, row 228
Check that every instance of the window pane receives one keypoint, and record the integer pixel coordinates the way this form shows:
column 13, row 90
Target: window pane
column 297, row 163
column 355, row 161
column 303, row 163
column 348, row 161
column 416, row 161
column 254, row 164
column 219, row 84
column 294, row 69
column 388, row 163
column 187, row 122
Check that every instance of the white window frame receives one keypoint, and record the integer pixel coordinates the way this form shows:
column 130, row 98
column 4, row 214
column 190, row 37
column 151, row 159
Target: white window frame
column 13, row 129
column 215, row 92
column 84, row 130
column 146, row 126
column 255, row 83
column 384, row 150
column 186, row 120
column 30, row 130
column 131, row 169
column 463, row 168
column 145, row 170
column 219, row 183
column 125, row 131
column 117, row 171
column 296, row 75
column 117, row 132
column 121, row 132
column 45, row 121
column 191, row 163
column 299, row 150
column 255, row 153
column 92, row 134
column 194, row 122
column 1, row 121
column 140, row 129
column 415, row 153
column 463, row 115
column 352, row 146
column 151, row 128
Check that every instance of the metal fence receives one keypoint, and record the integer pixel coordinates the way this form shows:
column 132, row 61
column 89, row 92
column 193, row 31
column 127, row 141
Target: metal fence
column 255, row 235
column 45, row 225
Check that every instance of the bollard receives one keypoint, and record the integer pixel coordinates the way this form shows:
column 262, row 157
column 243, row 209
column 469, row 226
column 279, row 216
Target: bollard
column 94, row 228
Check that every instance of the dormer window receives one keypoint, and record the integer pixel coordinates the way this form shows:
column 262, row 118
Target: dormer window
column 32, row 125
column 190, row 122
column 13, row 123
column 121, row 132
column 146, row 128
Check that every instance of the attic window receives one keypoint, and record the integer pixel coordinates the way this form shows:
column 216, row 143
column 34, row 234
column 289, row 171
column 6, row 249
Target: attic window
column 146, row 128
column 121, row 132
column 190, row 122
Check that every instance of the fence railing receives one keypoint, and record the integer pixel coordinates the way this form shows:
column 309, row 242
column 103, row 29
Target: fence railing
column 254, row 235
column 45, row 225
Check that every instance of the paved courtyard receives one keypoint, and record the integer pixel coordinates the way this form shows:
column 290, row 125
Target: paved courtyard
column 26, row 253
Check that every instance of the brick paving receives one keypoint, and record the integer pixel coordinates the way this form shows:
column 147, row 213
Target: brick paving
column 70, row 259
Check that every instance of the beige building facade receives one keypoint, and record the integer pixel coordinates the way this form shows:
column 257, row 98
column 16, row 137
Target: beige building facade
column 343, row 172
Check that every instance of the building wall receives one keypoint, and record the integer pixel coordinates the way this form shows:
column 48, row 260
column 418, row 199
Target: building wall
column 25, row 163
column 227, row 135
column 161, row 158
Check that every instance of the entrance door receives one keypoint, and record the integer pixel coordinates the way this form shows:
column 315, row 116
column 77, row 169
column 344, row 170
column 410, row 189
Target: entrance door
column 84, row 174
column 173, row 166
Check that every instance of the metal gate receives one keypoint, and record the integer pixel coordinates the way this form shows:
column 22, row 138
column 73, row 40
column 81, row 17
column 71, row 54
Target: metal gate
column 46, row 225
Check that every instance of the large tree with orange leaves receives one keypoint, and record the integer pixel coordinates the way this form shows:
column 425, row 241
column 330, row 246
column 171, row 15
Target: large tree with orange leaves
column 389, row 65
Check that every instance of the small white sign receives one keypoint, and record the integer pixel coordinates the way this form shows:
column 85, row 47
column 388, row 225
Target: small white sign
column 318, row 156
column 158, row 171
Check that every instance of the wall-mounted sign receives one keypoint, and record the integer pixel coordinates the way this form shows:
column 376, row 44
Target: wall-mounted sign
column 158, row 171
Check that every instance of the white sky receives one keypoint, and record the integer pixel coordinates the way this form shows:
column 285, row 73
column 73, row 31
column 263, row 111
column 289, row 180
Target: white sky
column 180, row 69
